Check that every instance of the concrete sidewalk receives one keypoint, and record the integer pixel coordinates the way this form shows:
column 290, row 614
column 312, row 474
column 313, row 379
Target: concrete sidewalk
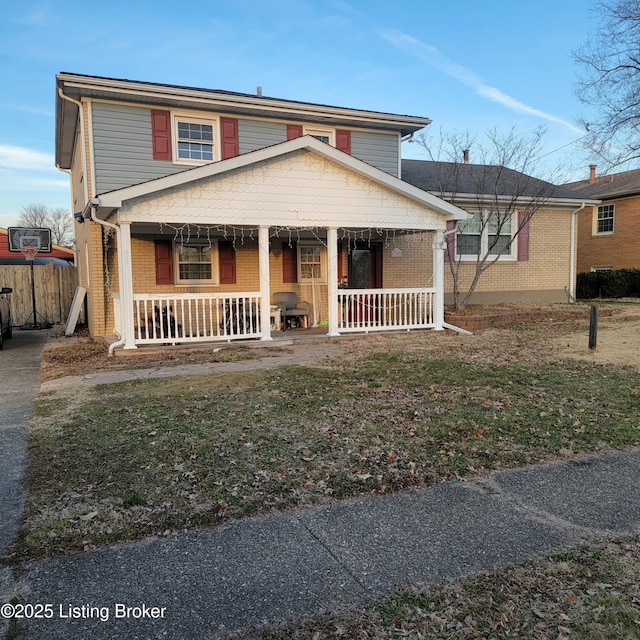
column 206, row 584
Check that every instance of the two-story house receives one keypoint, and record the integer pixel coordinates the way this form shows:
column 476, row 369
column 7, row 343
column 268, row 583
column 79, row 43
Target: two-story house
column 608, row 236
column 199, row 206
column 204, row 215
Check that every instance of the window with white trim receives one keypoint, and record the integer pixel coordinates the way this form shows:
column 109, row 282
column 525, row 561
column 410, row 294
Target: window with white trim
column 195, row 139
column 196, row 263
column 328, row 136
column 486, row 234
column 605, row 219
column 311, row 263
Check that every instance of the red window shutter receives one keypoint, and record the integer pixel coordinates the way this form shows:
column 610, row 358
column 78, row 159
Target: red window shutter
column 229, row 134
column 450, row 252
column 340, row 268
column 523, row 236
column 227, row 257
column 161, row 134
column 343, row 140
column 289, row 262
column 294, row 131
column 164, row 262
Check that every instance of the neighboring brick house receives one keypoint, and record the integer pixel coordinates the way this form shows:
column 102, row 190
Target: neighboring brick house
column 199, row 206
column 609, row 233
column 537, row 261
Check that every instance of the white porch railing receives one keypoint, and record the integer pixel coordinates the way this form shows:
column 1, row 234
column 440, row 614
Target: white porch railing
column 195, row 317
column 385, row 309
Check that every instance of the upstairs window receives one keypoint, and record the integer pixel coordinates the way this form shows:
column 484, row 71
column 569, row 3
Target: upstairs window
column 604, row 222
column 195, row 140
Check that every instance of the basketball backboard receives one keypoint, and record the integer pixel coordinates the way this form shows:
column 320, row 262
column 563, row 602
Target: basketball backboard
column 22, row 237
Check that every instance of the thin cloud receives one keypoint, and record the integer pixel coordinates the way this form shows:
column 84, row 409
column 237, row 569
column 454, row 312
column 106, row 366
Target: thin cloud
column 34, row 110
column 432, row 56
column 22, row 158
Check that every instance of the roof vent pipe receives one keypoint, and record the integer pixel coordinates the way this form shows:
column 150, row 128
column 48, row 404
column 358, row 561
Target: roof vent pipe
column 259, row 91
column 592, row 173
column 465, row 156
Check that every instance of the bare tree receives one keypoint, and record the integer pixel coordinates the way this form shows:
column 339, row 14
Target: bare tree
column 609, row 81
column 499, row 192
column 40, row 216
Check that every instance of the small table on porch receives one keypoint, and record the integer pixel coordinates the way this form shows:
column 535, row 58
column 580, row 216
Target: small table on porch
column 275, row 316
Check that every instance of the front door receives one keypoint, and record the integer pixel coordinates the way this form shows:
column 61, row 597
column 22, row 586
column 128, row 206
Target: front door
column 365, row 272
column 365, row 267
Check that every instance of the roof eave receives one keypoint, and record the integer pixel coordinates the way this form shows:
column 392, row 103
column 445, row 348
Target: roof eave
column 80, row 86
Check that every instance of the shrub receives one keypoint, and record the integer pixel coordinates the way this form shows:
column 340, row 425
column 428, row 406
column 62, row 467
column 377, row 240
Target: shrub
column 619, row 283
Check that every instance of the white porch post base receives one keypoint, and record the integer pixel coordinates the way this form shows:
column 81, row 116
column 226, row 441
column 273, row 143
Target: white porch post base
column 332, row 289
column 439, row 247
column 265, row 283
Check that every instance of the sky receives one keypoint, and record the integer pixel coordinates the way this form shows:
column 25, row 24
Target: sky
column 469, row 66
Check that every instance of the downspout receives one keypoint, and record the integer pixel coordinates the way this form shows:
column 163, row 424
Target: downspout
column 572, row 251
column 94, row 203
column 82, row 141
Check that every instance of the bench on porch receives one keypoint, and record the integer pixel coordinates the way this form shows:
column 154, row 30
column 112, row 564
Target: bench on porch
column 292, row 309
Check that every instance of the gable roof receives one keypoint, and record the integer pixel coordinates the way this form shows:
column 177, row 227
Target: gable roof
column 110, row 201
column 78, row 86
column 626, row 183
column 470, row 180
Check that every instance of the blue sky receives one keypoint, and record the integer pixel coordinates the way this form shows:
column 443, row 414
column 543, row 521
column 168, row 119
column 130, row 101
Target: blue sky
column 468, row 65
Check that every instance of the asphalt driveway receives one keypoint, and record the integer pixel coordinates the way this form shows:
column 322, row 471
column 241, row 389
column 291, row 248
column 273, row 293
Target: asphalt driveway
column 19, row 382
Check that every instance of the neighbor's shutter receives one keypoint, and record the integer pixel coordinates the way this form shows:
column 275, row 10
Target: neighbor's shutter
column 523, row 236
column 294, row 131
column 450, row 252
column 227, row 256
column 161, row 134
column 164, row 262
column 229, row 131
column 289, row 262
column 343, row 140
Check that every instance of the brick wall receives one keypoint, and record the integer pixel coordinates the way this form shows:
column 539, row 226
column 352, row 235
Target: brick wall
column 619, row 250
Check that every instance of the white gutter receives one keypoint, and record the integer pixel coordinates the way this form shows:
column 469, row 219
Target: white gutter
column 82, row 140
column 572, row 252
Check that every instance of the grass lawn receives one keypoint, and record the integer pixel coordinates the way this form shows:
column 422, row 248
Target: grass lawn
column 131, row 460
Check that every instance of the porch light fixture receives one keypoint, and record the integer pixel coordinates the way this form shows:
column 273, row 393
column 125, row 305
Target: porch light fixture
column 396, row 253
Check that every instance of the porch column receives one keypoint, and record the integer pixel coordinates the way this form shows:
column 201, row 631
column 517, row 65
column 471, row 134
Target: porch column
column 439, row 246
column 332, row 288
column 265, row 282
column 125, row 278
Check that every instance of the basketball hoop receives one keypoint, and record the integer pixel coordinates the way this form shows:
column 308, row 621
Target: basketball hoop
column 29, row 252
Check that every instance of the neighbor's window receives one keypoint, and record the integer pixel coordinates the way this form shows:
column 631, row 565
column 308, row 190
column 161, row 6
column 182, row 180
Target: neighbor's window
column 310, row 259
column 605, row 218
column 195, row 262
column 194, row 139
column 485, row 234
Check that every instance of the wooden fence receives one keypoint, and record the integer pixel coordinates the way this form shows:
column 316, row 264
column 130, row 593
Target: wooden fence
column 54, row 288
